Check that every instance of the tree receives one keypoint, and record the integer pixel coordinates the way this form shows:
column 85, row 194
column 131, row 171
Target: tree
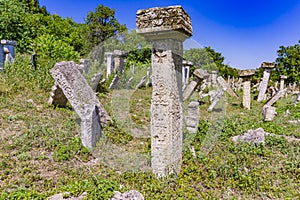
column 288, row 63
column 101, row 25
column 207, row 58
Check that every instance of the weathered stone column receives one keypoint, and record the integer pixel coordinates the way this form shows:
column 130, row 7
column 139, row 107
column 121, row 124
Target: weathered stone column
column 109, row 63
column 264, row 85
column 119, row 58
column 282, row 78
column 214, row 75
column 166, row 28
column 246, row 76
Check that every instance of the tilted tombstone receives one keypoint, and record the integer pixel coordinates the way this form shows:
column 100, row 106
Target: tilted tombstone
column 264, row 85
column 199, row 75
column 216, row 99
column 276, row 97
column 83, row 99
column 95, row 81
column 246, row 76
column 166, row 28
column 114, row 82
column 229, row 90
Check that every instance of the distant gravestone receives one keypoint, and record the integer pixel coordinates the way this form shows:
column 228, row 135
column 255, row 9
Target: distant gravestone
column 282, row 78
column 251, row 136
column 269, row 112
column 83, row 99
column 229, row 90
column 276, row 97
column 216, row 99
column 166, row 28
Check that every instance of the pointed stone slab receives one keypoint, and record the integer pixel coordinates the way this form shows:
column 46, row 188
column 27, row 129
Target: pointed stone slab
column 76, row 89
column 275, row 98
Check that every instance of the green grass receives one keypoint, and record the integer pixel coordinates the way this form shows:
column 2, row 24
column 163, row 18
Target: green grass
column 41, row 152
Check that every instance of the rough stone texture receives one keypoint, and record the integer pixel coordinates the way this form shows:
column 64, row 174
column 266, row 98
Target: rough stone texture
column 163, row 19
column 269, row 112
column 216, row 99
column 254, row 136
column 282, row 78
column 246, row 72
column 268, row 65
column 57, row 96
column 192, row 119
column 81, row 96
column 275, row 98
column 201, row 74
column 166, row 28
column 229, row 90
column 131, row 195
column 114, row 82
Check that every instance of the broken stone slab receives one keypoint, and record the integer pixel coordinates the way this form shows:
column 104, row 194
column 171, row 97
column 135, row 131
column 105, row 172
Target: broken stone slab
column 83, row 99
column 192, row 119
column 201, row 74
column 130, row 195
column 269, row 112
column 216, row 99
column 275, row 98
column 251, row 136
column 57, row 97
column 190, row 88
column 224, row 84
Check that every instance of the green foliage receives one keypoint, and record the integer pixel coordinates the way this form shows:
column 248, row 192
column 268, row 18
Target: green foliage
column 210, row 60
column 51, row 47
column 288, row 63
column 101, row 25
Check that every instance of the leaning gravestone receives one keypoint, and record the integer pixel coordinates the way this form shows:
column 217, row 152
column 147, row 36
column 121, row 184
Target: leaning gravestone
column 229, row 90
column 166, row 28
column 264, row 85
column 83, row 99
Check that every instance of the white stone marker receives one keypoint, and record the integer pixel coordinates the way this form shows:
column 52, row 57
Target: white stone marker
column 246, row 75
column 282, row 78
column 166, row 28
column 264, row 85
column 83, row 99
column 192, row 119
column 229, row 90
column 109, row 63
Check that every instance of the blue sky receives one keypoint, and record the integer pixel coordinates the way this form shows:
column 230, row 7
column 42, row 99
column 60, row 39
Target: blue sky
column 247, row 33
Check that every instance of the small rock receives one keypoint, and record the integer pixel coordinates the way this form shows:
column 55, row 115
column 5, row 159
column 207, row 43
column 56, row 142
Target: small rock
column 131, row 195
column 254, row 136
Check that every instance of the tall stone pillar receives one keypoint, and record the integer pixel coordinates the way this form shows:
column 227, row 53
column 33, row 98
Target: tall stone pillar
column 246, row 76
column 282, row 78
column 166, row 28
column 186, row 71
column 264, row 84
column 109, row 63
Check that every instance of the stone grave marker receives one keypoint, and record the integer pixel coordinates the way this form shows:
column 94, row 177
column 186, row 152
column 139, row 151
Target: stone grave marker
column 83, row 99
column 246, row 76
column 229, row 90
column 166, row 28
column 264, row 84
column 282, row 78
